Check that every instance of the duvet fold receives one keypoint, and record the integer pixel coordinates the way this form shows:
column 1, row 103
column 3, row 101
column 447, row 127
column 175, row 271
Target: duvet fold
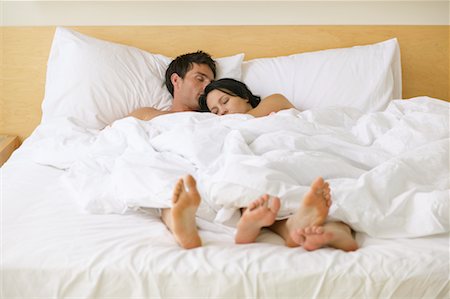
column 388, row 170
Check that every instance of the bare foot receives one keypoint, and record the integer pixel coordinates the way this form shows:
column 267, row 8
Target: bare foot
column 312, row 212
column 182, row 217
column 333, row 234
column 260, row 213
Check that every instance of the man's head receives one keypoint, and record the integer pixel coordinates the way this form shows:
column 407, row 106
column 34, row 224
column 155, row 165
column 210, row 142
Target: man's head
column 187, row 76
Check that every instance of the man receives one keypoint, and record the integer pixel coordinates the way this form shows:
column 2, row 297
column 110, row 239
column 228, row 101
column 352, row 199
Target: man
column 186, row 79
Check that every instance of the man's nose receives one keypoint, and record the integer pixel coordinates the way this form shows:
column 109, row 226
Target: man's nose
column 205, row 83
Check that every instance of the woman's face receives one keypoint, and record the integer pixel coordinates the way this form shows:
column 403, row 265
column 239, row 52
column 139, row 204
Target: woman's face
column 221, row 103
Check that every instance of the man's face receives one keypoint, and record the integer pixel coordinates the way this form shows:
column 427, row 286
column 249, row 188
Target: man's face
column 187, row 90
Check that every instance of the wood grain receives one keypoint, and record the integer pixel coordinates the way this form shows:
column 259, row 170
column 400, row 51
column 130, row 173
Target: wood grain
column 7, row 146
column 24, row 54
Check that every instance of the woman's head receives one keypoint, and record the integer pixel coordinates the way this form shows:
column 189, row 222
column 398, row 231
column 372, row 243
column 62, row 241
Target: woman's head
column 226, row 96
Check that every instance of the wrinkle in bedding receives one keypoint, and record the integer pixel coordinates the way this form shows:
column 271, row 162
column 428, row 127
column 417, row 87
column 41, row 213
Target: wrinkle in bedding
column 388, row 170
column 51, row 249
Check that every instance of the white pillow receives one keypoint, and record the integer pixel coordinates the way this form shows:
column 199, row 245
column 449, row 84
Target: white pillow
column 97, row 82
column 363, row 77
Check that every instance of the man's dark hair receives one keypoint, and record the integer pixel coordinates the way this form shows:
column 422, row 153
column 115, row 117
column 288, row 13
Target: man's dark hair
column 183, row 63
column 231, row 87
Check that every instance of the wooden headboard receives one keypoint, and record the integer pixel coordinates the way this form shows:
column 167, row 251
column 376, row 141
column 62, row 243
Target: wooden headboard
column 424, row 54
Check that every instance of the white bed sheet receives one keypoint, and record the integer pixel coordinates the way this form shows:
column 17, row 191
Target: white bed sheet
column 51, row 249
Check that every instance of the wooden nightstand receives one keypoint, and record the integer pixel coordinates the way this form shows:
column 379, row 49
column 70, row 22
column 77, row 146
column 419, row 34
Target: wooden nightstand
column 7, row 145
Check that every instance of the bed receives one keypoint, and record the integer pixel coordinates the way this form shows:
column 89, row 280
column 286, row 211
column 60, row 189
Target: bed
column 74, row 226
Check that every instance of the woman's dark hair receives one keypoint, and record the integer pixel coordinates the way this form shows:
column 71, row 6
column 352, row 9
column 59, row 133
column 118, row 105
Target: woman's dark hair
column 183, row 63
column 231, row 87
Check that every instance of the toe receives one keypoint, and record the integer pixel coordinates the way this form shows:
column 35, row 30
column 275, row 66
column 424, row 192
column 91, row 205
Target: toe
column 275, row 204
column 177, row 190
column 317, row 183
column 190, row 182
column 253, row 205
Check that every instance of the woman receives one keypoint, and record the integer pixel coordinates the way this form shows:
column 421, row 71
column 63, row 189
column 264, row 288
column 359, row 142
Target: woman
column 307, row 226
column 227, row 96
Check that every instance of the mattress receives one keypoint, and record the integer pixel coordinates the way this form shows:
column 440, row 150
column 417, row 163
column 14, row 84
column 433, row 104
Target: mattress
column 51, row 248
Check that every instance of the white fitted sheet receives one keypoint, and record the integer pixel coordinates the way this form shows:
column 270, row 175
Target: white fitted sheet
column 51, row 249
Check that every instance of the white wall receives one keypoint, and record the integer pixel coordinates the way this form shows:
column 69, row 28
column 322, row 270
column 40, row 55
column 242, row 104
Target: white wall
column 362, row 12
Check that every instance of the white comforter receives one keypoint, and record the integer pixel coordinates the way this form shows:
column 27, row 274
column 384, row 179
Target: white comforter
column 389, row 171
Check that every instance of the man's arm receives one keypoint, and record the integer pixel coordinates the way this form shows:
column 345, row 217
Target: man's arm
column 147, row 113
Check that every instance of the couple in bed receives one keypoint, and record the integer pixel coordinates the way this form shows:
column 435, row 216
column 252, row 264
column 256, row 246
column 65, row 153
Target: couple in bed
column 190, row 80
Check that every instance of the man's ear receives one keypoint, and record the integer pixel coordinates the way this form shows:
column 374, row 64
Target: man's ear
column 175, row 78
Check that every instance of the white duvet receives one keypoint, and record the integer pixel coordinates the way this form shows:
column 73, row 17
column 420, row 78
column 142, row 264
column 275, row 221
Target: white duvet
column 388, row 171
